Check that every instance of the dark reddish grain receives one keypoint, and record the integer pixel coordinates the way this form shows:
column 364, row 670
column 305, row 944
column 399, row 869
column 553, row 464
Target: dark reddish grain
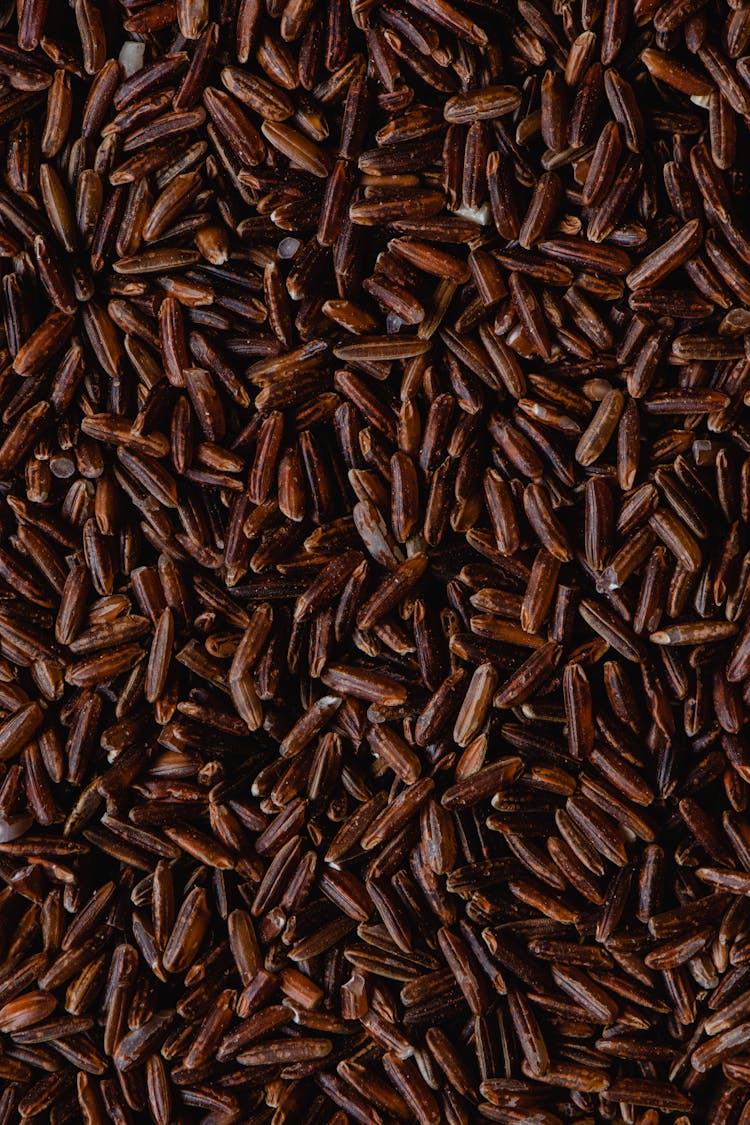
column 374, row 568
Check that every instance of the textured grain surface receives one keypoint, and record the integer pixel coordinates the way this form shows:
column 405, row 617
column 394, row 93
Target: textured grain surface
column 374, row 562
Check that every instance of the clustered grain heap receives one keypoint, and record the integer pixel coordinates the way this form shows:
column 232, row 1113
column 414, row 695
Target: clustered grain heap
column 374, row 562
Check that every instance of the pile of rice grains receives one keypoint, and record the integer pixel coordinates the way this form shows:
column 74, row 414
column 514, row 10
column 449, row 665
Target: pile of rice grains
column 374, row 562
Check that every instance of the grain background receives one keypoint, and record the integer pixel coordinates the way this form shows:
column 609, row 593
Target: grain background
column 374, row 562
